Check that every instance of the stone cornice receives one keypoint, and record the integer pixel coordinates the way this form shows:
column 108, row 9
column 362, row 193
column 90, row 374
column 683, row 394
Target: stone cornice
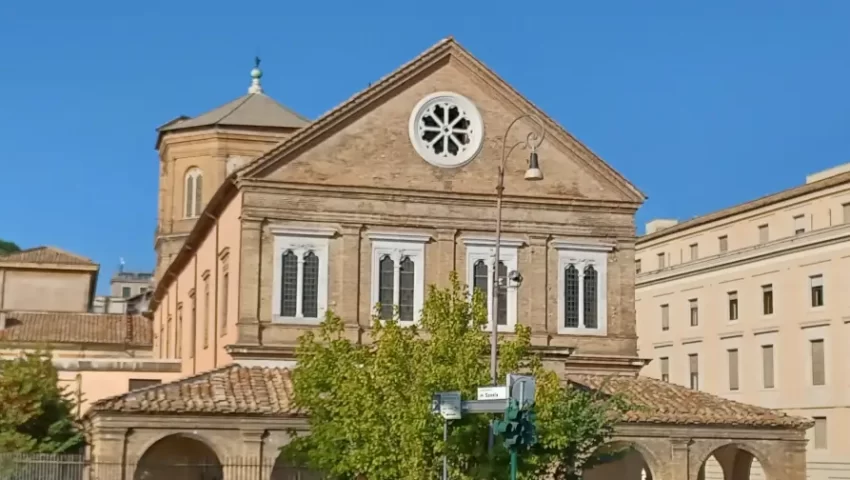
column 798, row 243
column 63, row 267
column 253, row 185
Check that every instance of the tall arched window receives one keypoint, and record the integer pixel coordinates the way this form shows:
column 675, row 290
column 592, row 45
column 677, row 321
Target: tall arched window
column 193, row 189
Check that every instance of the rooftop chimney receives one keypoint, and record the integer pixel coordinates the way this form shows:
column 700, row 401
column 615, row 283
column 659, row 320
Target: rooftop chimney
column 829, row 172
column 657, row 224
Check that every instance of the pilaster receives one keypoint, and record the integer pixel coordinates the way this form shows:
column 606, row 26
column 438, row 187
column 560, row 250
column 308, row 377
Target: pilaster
column 534, row 288
column 446, row 252
column 249, row 282
column 350, row 274
column 679, row 466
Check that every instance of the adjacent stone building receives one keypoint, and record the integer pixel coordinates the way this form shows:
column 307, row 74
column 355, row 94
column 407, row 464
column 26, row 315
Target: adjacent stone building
column 750, row 303
column 267, row 221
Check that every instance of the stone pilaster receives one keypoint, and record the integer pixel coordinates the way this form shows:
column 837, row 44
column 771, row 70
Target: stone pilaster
column 534, row 269
column 794, row 467
column 446, row 253
column 249, row 288
column 679, row 467
column 350, row 274
column 108, row 453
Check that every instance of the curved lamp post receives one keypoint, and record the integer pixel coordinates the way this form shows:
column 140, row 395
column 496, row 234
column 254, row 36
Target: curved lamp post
column 533, row 173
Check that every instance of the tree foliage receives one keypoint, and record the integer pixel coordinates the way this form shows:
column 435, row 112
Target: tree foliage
column 369, row 405
column 8, row 247
column 36, row 415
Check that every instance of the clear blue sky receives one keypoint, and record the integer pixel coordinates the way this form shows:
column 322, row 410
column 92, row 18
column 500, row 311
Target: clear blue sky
column 701, row 104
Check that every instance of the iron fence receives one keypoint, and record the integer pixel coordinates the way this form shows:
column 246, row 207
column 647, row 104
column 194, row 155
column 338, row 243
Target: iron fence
column 77, row 467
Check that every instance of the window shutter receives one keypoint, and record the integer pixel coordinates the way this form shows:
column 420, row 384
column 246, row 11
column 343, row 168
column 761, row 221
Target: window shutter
column 694, row 362
column 764, row 234
column 665, row 317
column 767, row 365
column 846, row 212
column 733, row 369
column 820, row 433
column 818, row 370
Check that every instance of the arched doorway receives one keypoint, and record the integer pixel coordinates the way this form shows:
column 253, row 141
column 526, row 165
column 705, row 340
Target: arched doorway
column 731, row 462
column 283, row 471
column 179, row 457
column 619, row 461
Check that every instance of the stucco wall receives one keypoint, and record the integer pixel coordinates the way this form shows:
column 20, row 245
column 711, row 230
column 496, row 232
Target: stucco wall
column 64, row 291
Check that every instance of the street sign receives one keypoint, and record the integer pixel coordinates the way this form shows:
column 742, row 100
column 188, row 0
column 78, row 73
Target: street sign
column 493, row 393
column 521, row 388
column 450, row 405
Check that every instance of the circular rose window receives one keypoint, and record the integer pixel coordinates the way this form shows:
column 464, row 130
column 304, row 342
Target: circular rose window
column 446, row 129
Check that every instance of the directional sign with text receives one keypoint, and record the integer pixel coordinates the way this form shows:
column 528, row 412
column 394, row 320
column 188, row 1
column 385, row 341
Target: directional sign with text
column 493, row 393
column 450, row 405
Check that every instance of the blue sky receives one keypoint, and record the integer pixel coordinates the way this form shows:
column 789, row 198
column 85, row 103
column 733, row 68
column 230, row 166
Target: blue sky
column 701, row 104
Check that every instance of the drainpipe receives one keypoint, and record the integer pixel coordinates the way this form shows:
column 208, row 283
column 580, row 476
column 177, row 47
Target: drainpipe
column 263, row 223
column 195, row 320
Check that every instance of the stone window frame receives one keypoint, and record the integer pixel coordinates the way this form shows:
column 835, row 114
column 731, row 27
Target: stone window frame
column 583, row 254
column 483, row 248
column 398, row 246
column 301, row 240
column 193, row 205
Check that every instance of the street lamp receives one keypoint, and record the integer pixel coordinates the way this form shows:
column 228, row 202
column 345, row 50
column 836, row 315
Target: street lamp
column 533, row 173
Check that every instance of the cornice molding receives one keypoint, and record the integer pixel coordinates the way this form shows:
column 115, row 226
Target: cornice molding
column 798, row 243
column 302, row 231
column 482, row 241
column 399, row 237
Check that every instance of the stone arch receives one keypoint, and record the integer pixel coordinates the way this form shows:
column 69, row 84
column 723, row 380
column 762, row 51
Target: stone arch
column 735, row 459
column 635, row 462
column 179, row 457
column 284, row 471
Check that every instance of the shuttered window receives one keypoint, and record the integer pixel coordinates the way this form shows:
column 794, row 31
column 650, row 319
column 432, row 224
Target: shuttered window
column 665, row 369
column 665, row 317
column 821, row 433
column 818, row 367
column 693, row 363
column 733, row 369
column 767, row 365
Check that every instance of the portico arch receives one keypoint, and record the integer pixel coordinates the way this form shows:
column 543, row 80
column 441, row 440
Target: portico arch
column 282, row 470
column 734, row 461
column 179, row 457
column 626, row 460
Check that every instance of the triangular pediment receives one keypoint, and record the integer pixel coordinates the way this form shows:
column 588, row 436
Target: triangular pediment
column 366, row 141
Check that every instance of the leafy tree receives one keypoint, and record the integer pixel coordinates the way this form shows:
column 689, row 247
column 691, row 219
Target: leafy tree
column 369, row 405
column 8, row 247
column 36, row 414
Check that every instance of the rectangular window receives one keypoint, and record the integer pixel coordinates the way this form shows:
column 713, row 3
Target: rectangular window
column 138, row 383
column 479, row 268
column 143, row 290
column 767, row 299
column 582, row 285
column 816, row 286
column 767, row 365
column 733, row 369
column 398, row 277
column 723, row 243
column 194, row 327
column 818, row 363
column 799, row 224
column 733, row 306
column 125, row 292
column 846, row 209
column 207, row 311
column 694, row 251
column 820, row 433
column 661, row 261
column 665, row 317
column 300, row 285
column 168, row 339
column 637, row 266
column 665, row 369
column 693, row 367
column 178, row 333
column 694, row 312
column 225, row 293
column 764, row 234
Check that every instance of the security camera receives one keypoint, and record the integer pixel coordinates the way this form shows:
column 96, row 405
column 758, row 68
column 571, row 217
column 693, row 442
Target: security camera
column 515, row 277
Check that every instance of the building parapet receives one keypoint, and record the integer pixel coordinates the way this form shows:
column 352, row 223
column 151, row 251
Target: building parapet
column 117, row 365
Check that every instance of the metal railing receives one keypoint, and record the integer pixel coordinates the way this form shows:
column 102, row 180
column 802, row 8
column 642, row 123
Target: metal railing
column 15, row 466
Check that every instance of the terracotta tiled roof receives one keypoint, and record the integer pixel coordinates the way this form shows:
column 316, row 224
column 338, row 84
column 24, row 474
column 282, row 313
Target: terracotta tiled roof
column 65, row 327
column 233, row 389
column 661, row 402
column 45, row 255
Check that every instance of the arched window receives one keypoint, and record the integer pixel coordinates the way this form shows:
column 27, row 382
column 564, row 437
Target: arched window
column 386, row 286
column 193, row 189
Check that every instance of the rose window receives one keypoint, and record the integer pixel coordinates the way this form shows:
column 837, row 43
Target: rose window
column 446, row 130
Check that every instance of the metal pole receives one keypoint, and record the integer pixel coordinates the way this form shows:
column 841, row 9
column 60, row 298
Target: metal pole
column 445, row 450
column 494, row 301
column 513, row 464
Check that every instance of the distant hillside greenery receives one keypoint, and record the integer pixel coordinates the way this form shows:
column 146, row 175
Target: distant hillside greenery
column 8, row 247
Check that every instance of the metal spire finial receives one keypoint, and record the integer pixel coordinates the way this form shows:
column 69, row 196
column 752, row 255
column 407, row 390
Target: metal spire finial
column 256, row 75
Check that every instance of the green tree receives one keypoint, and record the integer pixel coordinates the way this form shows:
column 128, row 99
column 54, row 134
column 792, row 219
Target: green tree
column 369, row 405
column 36, row 414
column 8, row 247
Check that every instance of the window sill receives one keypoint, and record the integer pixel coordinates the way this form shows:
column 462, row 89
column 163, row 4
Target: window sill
column 585, row 332
column 297, row 320
column 501, row 328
